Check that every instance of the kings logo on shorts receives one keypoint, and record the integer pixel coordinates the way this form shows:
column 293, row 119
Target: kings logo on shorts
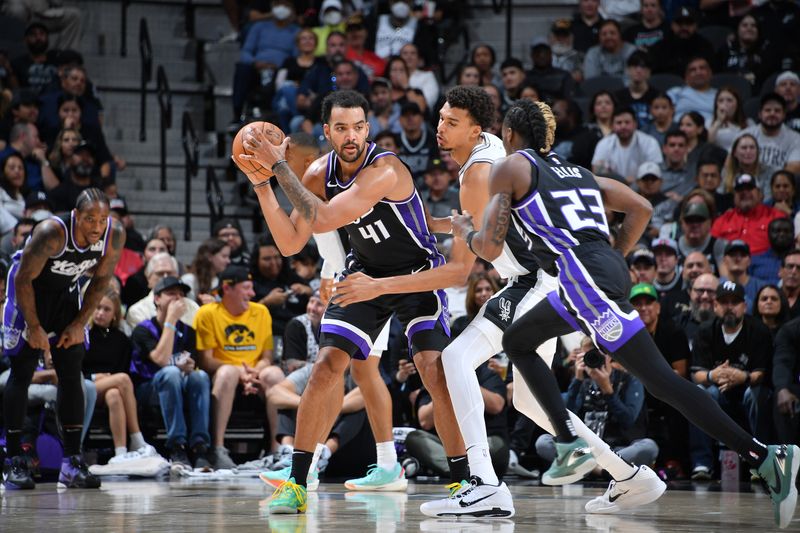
column 608, row 326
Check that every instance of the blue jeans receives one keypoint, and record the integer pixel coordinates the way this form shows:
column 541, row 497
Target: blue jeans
column 170, row 384
column 701, row 445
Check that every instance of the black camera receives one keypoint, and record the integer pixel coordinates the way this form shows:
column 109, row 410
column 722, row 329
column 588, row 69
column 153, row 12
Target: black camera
column 594, row 358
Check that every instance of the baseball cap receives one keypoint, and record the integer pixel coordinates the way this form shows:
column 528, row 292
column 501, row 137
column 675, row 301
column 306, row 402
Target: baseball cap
column 118, row 204
column 737, row 244
column 410, row 107
column 225, row 223
column 84, row 145
column 436, row 164
column 642, row 255
column 356, row 22
column 169, row 282
column 643, row 289
column 728, row 289
column 744, row 181
column 696, row 211
column 686, row 13
column 665, row 243
column 648, row 169
column 787, row 75
column 234, row 274
column 561, row 26
column 330, row 4
column 539, row 41
column 38, row 198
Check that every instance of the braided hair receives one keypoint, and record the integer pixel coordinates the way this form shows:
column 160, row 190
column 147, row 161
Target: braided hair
column 89, row 197
column 535, row 122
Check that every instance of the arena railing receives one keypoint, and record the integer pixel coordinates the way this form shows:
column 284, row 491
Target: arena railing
column 191, row 163
column 214, row 197
column 146, row 54
column 164, row 96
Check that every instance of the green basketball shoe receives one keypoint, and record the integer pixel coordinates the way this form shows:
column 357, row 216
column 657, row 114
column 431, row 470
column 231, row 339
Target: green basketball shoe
column 573, row 461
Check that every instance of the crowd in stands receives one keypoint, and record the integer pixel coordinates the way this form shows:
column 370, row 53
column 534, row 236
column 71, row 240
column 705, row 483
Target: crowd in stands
column 696, row 107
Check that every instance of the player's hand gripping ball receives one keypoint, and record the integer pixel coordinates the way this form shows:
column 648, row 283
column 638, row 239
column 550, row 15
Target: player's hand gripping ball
column 257, row 164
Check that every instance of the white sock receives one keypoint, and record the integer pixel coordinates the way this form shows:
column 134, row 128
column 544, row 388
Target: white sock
column 120, row 450
column 480, row 464
column 460, row 359
column 387, row 455
column 137, row 441
column 315, row 457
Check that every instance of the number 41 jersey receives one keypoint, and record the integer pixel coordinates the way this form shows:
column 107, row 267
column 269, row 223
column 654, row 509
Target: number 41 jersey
column 392, row 238
column 562, row 209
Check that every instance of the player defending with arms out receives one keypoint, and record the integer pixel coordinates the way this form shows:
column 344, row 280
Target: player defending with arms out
column 466, row 111
column 44, row 311
column 561, row 208
column 371, row 193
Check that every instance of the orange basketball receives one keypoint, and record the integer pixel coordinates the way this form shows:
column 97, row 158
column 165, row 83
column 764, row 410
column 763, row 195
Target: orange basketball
column 273, row 133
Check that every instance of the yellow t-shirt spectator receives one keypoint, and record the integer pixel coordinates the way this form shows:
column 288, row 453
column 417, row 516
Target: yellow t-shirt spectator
column 234, row 339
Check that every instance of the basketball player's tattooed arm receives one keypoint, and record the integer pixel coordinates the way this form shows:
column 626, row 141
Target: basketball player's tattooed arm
column 638, row 211
column 488, row 242
column 47, row 240
column 103, row 272
column 291, row 232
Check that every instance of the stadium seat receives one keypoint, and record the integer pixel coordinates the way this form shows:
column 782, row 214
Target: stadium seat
column 665, row 81
column 752, row 107
column 716, row 35
column 601, row 83
column 735, row 81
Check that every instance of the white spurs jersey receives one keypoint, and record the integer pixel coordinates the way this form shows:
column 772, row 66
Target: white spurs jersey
column 516, row 258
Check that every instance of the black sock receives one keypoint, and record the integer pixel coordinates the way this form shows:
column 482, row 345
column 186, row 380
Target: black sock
column 756, row 454
column 301, row 463
column 459, row 468
column 13, row 442
column 72, row 440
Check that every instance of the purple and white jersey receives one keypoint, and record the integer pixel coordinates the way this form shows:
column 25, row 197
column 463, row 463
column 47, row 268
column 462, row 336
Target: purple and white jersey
column 562, row 209
column 393, row 237
column 516, row 259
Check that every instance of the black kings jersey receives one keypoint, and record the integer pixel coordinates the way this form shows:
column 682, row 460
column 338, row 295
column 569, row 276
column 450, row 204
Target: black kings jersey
column 562, row 209
column 391, row 238
column 62, row 272
column 516, row 259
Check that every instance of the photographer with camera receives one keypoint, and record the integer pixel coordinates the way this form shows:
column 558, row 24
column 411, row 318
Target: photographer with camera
column 611, row 403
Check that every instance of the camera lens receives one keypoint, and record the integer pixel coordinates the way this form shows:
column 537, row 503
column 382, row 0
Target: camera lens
column 594, row 358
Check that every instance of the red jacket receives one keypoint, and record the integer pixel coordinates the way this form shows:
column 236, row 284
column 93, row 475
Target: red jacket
column 751, row 227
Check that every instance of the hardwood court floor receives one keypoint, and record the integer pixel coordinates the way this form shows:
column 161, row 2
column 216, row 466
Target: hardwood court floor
column 240, row 506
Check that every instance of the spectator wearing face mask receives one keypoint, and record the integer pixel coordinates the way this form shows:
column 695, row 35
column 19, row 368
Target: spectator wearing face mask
column 82, row 175
column 331, row 20
column 395, row 30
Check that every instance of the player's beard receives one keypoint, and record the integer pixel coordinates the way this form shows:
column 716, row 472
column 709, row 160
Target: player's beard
column 342, row 155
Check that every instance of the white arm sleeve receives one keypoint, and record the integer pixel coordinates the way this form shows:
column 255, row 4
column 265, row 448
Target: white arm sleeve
column 332, row 251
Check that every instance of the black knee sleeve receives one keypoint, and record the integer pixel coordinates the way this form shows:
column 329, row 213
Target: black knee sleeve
column 70, row 380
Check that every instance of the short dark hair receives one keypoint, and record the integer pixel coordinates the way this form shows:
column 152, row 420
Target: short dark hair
column 612, row 22
column 793, row 251
column 25, row 221
column 782, row 172
column 475, row 101
column 387, row 133
column 638, row 59
column 301, row 138
column 772, row 97
column 706, row 162
column 511, row 62
column 623, row 111
column 344, row 99
column 488, row 47
column 675, row 133
column 331, row 34
column 90, row 197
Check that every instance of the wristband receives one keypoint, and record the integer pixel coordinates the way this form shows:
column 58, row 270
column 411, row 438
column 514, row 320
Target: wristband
column 261, row 184
column 746, row 377
column 708, row 377
column 470, row 236
column 278, row 162
column 171, row 326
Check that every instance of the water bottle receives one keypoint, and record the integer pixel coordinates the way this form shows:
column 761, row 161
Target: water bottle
column 729, row 464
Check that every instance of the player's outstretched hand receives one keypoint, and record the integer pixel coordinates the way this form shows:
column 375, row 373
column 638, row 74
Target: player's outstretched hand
column 72, row 335
column 356, row 287
column 462, row 224
column 261, row 149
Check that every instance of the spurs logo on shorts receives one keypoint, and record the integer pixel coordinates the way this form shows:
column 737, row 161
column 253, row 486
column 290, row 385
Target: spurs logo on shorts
column 608, row 326
column 505, row 309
